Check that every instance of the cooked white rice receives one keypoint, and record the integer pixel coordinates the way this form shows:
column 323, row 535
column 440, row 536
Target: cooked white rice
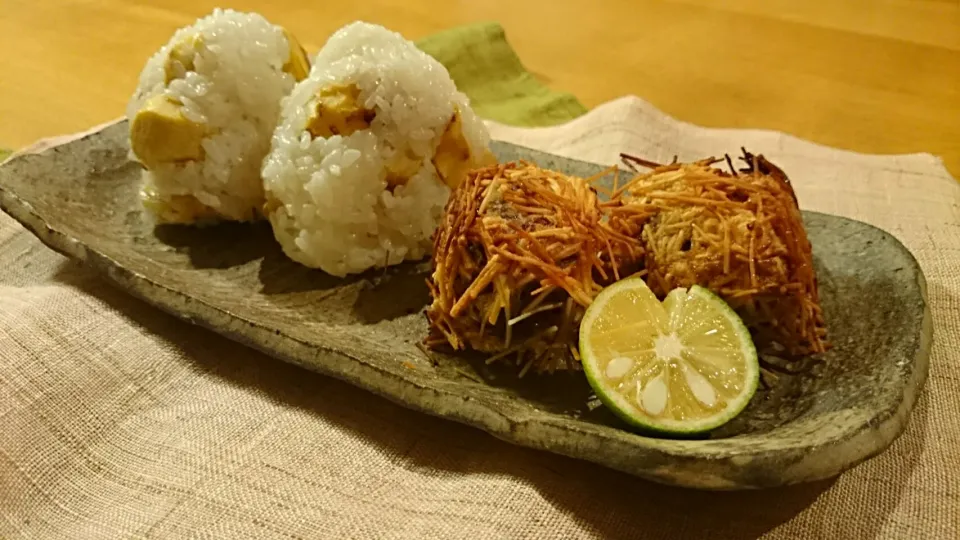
column 332, row 208
column 234, row 90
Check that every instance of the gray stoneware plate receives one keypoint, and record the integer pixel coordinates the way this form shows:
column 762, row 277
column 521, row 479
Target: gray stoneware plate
column 81, row 200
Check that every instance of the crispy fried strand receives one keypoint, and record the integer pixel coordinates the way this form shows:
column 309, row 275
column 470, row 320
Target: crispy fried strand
column 540, row 252
column 737, row 233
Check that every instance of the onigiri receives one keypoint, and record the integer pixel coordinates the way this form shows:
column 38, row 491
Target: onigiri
column 366, row 152
column 203, row 113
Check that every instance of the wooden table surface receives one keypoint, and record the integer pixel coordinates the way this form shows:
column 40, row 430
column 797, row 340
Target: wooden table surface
column 867, row 75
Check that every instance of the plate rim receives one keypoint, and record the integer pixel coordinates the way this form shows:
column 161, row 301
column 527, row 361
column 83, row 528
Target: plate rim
column 812, row 461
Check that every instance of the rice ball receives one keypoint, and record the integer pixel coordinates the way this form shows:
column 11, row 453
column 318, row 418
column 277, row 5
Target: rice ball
column 203, row 113
column 365, row 154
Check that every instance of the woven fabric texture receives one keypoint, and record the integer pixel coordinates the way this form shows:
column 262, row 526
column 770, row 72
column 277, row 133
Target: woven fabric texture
column 118, row 421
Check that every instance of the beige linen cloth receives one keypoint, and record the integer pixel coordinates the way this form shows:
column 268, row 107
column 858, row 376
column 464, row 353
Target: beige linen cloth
column 118, row 421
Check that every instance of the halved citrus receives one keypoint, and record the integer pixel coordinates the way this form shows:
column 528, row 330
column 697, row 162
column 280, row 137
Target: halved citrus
column 684, row 366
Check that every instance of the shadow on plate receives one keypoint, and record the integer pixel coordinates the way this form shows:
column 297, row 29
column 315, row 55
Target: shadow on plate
column 224, row 246
column 606, row 502
column 374, row 296
column 281, row 275
column 568, row 393
column 396, row 292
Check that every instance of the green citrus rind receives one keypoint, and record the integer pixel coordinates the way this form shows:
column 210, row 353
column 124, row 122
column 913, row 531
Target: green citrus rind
column 644, row 423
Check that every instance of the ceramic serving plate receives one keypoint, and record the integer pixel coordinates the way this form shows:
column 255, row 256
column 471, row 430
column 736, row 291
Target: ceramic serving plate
column 81, row 200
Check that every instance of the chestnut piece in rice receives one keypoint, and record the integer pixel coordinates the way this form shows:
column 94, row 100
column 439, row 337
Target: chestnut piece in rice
column 519, row 255
column 738, row 233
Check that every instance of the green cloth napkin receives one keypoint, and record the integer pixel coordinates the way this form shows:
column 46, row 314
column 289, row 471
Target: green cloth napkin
column 485, row 68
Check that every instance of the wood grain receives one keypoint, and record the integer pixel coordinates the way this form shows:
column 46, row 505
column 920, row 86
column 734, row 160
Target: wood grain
column 870, row 76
